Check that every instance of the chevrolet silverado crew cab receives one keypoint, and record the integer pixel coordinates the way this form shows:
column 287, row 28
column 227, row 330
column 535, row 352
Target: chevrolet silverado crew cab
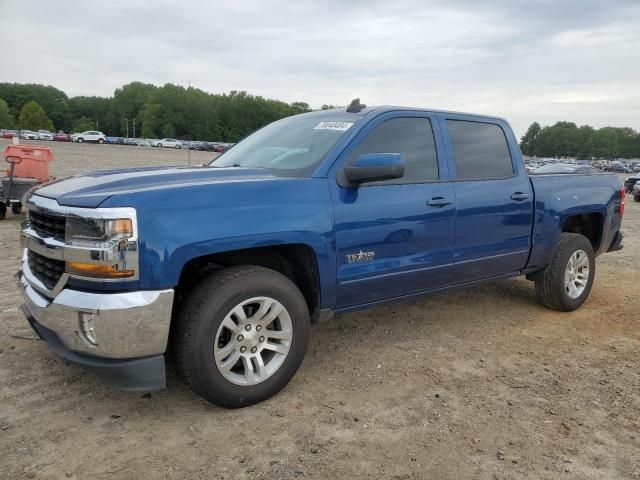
column 225, row 266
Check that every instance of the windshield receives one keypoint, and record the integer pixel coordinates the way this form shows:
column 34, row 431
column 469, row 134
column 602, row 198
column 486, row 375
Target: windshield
column 291, row 147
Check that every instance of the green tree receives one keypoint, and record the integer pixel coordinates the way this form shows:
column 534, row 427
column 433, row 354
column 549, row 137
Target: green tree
column 151, row 120
column 168, row 130
column 33, row 117
column 6, row 119
column 188, row 113
column 52, row 100
column 97, row 109
column 604, row 143
column 82, row 124
column 583, row 138
column 301, row 106
column 528, row 140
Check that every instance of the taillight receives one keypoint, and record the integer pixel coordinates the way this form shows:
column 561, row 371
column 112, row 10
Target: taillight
column 622, row 195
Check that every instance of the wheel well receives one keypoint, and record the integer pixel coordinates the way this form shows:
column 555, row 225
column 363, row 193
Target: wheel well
column 296, row 261
column 587, row 224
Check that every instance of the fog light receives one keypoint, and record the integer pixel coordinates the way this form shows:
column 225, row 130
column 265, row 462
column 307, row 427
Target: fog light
column 88, row 327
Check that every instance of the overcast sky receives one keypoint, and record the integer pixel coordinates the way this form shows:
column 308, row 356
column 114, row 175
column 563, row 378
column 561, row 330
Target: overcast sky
column 524, row 60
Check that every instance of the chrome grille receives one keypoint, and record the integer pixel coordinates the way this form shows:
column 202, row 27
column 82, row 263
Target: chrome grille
column 47, row 225
column 47, row 270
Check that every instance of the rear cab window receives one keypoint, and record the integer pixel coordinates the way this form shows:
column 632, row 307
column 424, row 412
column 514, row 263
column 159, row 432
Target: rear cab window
column 480, row 150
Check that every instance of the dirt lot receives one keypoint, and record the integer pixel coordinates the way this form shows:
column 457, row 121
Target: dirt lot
column 480, row 383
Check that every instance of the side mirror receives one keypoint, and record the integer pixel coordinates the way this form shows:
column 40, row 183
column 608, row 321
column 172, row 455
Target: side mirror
column 374, row 167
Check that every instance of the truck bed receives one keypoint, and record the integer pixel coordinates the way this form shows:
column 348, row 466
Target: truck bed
column 560, row 196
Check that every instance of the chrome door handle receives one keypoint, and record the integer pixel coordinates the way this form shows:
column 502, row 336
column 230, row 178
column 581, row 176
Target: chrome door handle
column 519, row 196
column 439, row 202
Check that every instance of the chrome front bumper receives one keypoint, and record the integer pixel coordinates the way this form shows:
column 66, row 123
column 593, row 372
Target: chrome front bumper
column 127, row 325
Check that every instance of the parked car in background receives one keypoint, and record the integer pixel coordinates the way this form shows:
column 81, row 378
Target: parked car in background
column 62, row 137
column 630, row 182
column 45, row 135
column 221, row 147
column 561, row 168
column 618, row 169
column 167, row 143
column 636, row 192
column 28, row 135
column 10, row 133
column 91, row 136
column 142, row 142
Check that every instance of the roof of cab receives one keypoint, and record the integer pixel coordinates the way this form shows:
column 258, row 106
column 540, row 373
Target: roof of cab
column 380, row 109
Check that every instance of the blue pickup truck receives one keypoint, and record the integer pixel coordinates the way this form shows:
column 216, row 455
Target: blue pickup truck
column 226, row 265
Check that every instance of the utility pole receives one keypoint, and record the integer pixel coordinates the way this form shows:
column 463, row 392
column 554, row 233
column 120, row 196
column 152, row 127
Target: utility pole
column 126, row 123
column 189, row 149
column 134, row 128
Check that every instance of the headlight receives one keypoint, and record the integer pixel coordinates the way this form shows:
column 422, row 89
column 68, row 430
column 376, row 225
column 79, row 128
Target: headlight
column 101, row 247
column 97, row 232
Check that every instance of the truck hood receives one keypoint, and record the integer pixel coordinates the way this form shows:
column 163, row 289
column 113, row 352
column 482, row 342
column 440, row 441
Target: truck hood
column 91, row 189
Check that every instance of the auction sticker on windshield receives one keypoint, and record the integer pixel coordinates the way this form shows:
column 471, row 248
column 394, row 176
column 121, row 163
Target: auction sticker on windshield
column 341, row 126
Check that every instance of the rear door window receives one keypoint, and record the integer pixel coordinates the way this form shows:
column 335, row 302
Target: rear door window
column 480, row 150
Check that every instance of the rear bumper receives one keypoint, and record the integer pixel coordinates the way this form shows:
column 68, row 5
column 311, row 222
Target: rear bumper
column 616, row 244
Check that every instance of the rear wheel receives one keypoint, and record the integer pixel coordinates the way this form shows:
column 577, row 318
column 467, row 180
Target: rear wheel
column 16, row 208
column 241, row 335
column 178, row 146
column 566, row 282
column 80, row 140
column 100, row 141
column 3, row 211
column 636, row 198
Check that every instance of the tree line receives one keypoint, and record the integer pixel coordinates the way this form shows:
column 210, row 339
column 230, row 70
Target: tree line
column 190, row 113
column 165, row 111
column 566, row 139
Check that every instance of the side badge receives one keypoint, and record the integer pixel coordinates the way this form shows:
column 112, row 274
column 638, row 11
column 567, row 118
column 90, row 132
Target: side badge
column 360, row 257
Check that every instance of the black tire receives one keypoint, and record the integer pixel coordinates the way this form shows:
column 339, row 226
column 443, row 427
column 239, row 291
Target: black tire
column 550, row 286
column 100, row 141
column 80, row 140
column 202, row 313
column 636, row 198
column 3, row 211
column 16, row 208
column 178, row 147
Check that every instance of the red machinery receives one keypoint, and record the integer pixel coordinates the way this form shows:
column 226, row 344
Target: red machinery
column 27, row 166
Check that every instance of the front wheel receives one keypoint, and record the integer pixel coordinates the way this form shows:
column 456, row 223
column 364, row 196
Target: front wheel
column 100, row 141
column 241, row 335
column 80, row 140
column 16, row 208
column 566, row 282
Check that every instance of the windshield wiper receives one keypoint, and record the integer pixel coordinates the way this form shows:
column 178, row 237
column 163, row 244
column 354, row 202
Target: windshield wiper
column 237, row 165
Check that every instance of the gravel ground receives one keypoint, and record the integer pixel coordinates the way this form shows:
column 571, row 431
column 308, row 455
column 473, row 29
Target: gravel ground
column 478, row 383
